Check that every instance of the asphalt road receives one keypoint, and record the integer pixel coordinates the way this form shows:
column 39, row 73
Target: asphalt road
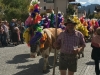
column 15, row 60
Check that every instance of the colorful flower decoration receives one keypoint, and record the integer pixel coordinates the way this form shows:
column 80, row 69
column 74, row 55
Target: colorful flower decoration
column 32, row 23
column 81, row 25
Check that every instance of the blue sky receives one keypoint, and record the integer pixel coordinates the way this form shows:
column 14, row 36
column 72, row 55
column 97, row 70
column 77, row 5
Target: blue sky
column 83, row 2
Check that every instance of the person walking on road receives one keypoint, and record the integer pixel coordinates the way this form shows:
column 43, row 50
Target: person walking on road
column 95, row 44
column 71, row 43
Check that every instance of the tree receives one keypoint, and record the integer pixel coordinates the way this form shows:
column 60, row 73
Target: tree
column 15, row 9
column 69, row 11
column 88, row 14
column 2, row 7
column 97, row 15
column 91, row 16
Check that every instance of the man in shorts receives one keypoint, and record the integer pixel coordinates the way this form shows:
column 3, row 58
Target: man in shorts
column 71, row 42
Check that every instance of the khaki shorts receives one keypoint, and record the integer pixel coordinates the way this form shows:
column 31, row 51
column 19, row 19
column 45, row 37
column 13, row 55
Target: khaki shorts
column 68, row 61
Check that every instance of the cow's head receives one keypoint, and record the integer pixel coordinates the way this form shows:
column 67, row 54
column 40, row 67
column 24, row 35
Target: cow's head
column 34, row 44
column 36, row 47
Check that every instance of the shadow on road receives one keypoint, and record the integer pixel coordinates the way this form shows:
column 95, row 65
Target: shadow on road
column 19, row 59
column 30, row 69
column 90, row 63
column 9, row 45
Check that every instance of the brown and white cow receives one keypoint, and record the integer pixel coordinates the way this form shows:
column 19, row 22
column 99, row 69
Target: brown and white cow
column 46, row 44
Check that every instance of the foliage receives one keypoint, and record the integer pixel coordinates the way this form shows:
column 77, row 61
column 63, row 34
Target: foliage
column 12, row 13
column 97, row 15
column 69, row 11
column 2, row 7
column 88, row 14
column 15, row 9
column 91, row 16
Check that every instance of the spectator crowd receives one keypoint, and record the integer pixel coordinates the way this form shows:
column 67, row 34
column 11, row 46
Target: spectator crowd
column 11, row 33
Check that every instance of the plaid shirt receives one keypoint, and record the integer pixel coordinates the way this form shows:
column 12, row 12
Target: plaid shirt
column 67, row 41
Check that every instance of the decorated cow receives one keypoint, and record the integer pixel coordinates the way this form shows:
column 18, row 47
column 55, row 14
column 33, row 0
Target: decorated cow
column 45, row 45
